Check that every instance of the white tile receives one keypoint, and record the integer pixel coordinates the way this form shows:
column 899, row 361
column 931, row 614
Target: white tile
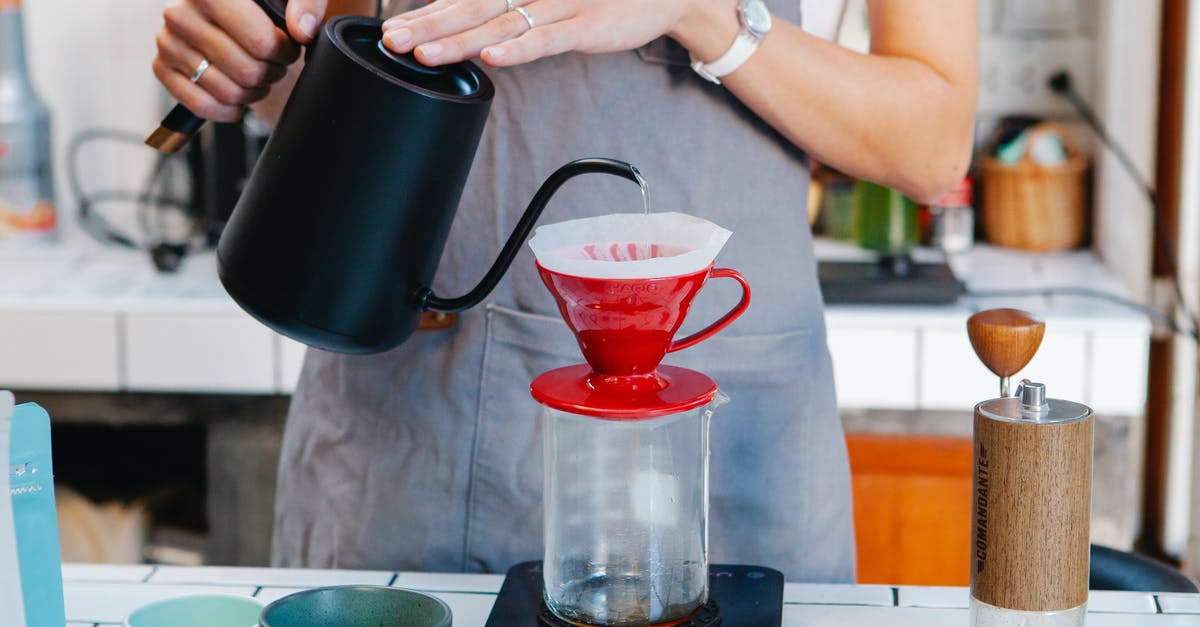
column 62, row 350
column 1121, row 602
column 270, row 595
column 127, row 573
column 874, row 368
column 195, row 352
column 112, row 603
column 468, row 610
column 1141, row 620
column 1179, row 603
column 1117, row 373
column 933, row 596
column 449, row 582
column 854, row 616
column 279, row 577
column 838, row 594
column 291, row 360
column 1060, row 363
column 951, row 376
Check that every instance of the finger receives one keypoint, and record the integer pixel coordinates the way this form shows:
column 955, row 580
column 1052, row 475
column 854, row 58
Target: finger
column 304, row 17
column 184, row 59
column 249, row 26
column 466, row 45
column 192, row 96
column 456, row 18
column 432, row 7
column 193, row 29
column 543, row 41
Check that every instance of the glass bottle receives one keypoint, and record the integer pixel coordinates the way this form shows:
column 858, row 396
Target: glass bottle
column 954, row 219
column 626, row 515
column 26, row 181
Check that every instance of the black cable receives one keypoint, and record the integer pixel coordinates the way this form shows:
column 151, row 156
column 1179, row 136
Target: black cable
column 378, row 8
column 165, row 254
column 1050, row 292
column 1060, row 83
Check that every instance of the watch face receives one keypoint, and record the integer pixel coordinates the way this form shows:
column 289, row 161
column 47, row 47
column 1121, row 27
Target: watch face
column 756, row 16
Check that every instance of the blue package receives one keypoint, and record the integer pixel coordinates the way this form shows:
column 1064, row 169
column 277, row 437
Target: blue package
column 31, row 481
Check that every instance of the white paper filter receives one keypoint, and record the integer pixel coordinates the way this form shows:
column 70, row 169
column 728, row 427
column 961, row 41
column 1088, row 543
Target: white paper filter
column 629, row 245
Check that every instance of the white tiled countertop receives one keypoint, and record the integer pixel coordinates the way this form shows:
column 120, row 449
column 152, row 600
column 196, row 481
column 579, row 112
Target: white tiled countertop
column 105, row 595
column 85, row 317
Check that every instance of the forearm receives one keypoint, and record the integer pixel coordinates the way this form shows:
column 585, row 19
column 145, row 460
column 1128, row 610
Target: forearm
column 892, row 119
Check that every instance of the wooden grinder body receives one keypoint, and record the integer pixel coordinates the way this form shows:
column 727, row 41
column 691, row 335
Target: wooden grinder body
column 1031, row 506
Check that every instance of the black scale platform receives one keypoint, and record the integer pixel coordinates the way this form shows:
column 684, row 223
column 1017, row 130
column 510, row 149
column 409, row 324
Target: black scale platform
column 739, row 596
column 891, row 280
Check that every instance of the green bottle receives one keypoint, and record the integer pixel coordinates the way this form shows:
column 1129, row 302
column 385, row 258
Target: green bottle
column 887, row 219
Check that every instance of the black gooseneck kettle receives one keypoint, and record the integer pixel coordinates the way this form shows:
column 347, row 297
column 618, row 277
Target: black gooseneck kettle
column 339, row 230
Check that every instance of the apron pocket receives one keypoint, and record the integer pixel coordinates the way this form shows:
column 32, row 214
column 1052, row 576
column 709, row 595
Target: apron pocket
column 505, row 503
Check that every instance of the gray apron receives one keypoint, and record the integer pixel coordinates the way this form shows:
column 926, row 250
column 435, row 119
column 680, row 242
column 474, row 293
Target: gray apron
column 429, row 457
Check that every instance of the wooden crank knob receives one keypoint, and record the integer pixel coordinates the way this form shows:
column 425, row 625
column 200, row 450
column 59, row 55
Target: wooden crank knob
column 1005, row 339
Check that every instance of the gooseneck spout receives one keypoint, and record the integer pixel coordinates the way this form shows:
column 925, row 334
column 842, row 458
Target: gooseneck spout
column 426, row 300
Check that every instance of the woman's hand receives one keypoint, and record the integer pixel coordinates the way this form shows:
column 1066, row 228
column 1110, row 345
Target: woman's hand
column 245, row 52
column 448, row 31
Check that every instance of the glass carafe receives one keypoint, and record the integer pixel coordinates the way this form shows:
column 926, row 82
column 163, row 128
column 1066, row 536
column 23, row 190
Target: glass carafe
column 626, row 507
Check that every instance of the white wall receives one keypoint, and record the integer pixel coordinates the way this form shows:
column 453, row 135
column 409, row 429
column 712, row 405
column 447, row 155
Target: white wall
column 1127, row 73
column 90, row 61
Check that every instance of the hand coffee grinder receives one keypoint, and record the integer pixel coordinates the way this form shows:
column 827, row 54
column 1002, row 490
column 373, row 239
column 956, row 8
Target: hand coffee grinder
column 626, row 439
column 1031, row 490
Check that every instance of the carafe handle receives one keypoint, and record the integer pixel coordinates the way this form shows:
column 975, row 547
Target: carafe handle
column 723, row 321
column 426, row 300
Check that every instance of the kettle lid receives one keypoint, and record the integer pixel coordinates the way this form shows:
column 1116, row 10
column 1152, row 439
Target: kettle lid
column 358, row 38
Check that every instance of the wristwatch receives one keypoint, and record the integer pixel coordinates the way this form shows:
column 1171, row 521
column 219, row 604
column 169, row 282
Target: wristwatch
column 755, row 19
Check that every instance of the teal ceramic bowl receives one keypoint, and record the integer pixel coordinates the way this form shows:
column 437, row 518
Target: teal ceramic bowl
column 356, row 606
column 201, row 610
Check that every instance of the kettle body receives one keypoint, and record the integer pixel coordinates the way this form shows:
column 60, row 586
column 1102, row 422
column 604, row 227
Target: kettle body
column 345, row 215
column 338, row 232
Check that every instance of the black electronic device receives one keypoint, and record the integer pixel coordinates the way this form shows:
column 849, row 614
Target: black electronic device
column 889, row 281
column 739, row 596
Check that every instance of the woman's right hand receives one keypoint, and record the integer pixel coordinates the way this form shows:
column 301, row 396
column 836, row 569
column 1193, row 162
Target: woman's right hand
column 246, row 53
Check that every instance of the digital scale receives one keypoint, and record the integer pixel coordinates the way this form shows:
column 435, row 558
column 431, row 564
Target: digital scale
column 739, row 596
column 891, row 280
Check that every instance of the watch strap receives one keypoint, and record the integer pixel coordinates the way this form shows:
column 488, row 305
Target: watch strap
column 742, row 49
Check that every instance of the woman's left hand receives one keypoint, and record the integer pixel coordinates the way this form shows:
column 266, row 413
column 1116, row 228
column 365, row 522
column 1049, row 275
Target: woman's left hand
column 448, row 31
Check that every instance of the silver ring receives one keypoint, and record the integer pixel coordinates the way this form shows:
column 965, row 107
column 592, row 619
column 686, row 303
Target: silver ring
column 509, row 6
column 200, row 70
column 528, row 18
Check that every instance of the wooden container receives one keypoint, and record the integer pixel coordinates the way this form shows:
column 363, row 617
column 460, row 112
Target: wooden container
column 1031, row 506
column 1029, row 206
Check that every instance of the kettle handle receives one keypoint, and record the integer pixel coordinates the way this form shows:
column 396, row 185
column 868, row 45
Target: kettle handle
column 180, row 124
column 277, row 11
column 427, row 300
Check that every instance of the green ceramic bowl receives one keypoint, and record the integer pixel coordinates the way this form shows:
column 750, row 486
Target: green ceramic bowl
column 356, row 606
column 201, row 610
